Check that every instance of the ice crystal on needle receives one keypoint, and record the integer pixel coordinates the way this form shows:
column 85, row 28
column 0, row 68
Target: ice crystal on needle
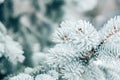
column 63, row 33
column 81, row 53
column 80, row 33
column 109, row 50
column 110, row 35
column 22, row 76
column 9, row 48
column 44, row 77
column 61, row 54
column 13, row 51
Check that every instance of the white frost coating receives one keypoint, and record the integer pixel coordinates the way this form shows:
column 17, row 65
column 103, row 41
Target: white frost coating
column 22, row 76
column 28, row 70
column 54, row 74
column 9, row 48
column 92, row 72
column 63, row 34
column 68, row 60
column 61, row 54
column 109, row 50
column 109, row 64
column 13, row 51
column 80, row 33
column 110, row 35
column 110, row 68
column 72, row 71
column 86, row 36
column 44, row 77
column 76, row 71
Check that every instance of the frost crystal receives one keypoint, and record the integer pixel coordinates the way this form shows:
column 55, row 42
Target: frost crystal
column 110, row 37
column 110, row 47
column 63, row 33
column 86, row 36
column 44, row 77
column 54, row 74
column 9, row 48
column 80, row 53
column 109, row 50
column 22, row 76
column 13, row 51
column 61, row 54
column 76, row 71
column 81, row 33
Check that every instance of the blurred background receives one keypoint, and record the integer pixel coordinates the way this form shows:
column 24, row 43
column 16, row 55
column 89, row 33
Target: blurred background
column 31, row 23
